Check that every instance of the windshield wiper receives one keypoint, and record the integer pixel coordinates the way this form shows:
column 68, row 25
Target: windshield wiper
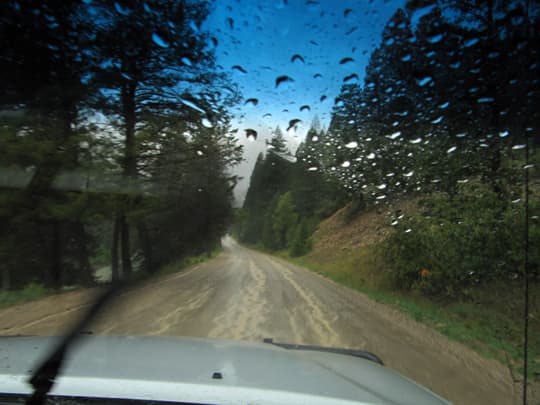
column 349, row 352
column 44, row 377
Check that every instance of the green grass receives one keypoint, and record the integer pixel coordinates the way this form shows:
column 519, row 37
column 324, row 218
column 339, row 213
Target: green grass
column 490, row 323
column 189, row 261
column 31, row 292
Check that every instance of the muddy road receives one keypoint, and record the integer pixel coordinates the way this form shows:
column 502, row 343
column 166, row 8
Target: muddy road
column 244, row 294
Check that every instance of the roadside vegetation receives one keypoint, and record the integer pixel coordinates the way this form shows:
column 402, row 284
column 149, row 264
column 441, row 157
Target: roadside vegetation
column 115, row 150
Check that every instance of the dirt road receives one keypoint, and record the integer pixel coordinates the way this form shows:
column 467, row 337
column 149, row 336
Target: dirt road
column 248, row 295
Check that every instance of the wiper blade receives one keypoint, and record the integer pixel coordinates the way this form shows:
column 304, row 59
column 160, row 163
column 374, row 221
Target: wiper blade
column 45, row 375
column 349, row 352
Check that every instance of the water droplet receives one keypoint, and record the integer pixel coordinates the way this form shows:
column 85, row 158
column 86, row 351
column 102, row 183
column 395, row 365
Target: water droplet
column 406, row 58
column 284, row 79
column 471, row 42
column 517, row 200
column 395, row 135
column 346, row 164
column 159, row 41
column 409, row 174
column 527, row 167
column 444, row 105
column 381, row 186
column 421, row 12
column 435, row 38
column 297, row 57
column 315, row 138
column 504, row 134
column 251, row 134
column 120, row 9
column 417, row 140
column 408, row 230
column 437, row 120
column 293, row 123
column 305, row 108
column 344, row 61
column 192, row 105
column 186, row 61
column 206, row 122
column 352, row 145
column 452, row 149
column 312, row 169
column 394, row 223
column 351, row 78
column 486, row 100
column 200, row 152
column 380, row 197
column 252, row 101
column 422, row 82
column 520, row 146
column 371, row 156
column 239, row 69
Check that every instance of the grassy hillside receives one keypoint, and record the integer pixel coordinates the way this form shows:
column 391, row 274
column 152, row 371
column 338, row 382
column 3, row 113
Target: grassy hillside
column 488, row 318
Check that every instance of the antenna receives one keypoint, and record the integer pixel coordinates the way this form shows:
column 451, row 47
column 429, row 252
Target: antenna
column 526, row 268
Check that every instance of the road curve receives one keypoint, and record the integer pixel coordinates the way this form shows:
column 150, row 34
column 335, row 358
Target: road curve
column 248, row 295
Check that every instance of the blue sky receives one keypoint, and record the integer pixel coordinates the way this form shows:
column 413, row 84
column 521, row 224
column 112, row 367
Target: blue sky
column 263, row 36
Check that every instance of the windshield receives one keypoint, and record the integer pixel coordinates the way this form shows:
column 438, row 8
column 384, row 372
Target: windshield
column 350, row 175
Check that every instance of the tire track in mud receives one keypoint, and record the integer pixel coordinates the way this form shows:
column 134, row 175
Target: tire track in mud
column 309, row 310
column 246, row 312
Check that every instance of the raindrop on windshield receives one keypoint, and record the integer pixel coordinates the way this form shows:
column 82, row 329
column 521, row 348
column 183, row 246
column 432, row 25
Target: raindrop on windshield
column 435, row 38
column 305, row 108
column 239, row 69
column 424, row 81
column 159, row 41
column 206, row 122
column 486, row 100
column 417, row 140
column 293, row 123
column 520, row 146
column 352, row 145
column 350, row 78
column 120, row 9
column 346, row 60
column 251, row 134
column 297, row 57
column 346, row 164
column 452, row 149
column 252, row 101
column 283, row 79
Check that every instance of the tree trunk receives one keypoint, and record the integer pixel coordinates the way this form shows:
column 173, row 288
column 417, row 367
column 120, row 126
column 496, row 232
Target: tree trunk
column 56, row 252
column 125, row 250
column 85, row 269
column 146, row 245
column 115, row 275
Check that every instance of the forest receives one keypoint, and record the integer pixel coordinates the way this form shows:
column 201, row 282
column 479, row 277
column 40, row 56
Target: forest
column 114, row 139
column 447, row 116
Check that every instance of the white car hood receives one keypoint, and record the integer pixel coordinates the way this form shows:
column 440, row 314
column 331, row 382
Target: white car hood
column 189, row 370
